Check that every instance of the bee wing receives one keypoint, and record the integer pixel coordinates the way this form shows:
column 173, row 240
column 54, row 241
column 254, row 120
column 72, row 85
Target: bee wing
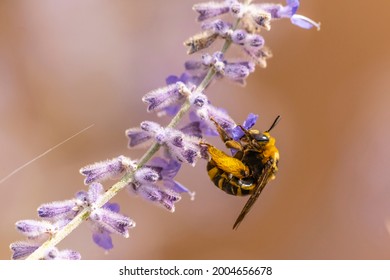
column 265, row 176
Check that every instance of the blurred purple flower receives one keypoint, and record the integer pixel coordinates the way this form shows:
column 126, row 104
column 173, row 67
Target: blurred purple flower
column 21, row 250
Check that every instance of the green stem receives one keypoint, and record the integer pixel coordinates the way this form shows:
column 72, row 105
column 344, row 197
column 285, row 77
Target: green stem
column 127, row 178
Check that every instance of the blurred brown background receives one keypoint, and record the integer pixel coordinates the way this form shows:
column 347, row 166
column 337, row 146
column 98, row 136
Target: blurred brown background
column 65, row 65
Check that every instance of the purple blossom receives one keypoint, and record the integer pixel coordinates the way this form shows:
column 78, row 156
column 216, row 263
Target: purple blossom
column 304, row 22
column 192, row 129
column 208, row 112
column 111, row 221
column 55, row 254
column 146, row 175
column 104, row 221
column 100, row 235
column 21, row 250
column 237, row 9
column 239, row 36
column 103, row 239
column 169, row 169
column 182, row 147
column 246, row 39
column 235, row 71
column 165, row 194
column 108, row 169
column 218, row 26
column 158, row 195
column 95, row 190
column 159, row 99
column 278, row 11
column 33, row 228
column 59, row 209
column 211, row 9
column 186, row 78
column 239, row 71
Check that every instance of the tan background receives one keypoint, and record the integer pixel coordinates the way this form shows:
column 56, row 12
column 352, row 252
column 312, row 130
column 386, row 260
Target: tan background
column 67, row 64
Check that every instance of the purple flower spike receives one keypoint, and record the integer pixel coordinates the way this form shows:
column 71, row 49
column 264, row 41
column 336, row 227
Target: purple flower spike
column 211, row 9
column 58, row 209
column 108, row 169
column 21, row 250
column 33, row 228
column 112, row 221
column 161, row 98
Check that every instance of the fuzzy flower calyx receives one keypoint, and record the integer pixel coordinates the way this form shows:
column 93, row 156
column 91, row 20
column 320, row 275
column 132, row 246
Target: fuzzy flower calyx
column 181, row 146
column 21, row 250
column 108, row 169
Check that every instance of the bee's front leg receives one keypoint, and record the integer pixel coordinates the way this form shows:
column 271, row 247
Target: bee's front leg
column 229, row 142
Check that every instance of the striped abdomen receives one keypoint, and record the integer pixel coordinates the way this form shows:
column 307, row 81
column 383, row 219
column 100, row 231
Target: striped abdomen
column 228, row 183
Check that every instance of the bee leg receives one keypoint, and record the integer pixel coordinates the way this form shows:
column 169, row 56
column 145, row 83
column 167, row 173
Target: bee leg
column 227, row 163
column 246, row 132
column 229, row 142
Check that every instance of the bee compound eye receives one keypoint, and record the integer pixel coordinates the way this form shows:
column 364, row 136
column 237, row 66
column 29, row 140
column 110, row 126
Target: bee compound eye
column 261, row 138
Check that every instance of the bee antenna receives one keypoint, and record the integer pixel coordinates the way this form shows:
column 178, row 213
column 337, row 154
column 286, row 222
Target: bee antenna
column 274, row 123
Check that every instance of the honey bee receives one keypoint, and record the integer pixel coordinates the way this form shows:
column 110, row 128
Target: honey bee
column 250, row 169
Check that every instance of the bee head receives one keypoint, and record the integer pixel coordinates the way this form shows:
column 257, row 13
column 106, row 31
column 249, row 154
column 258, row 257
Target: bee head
column 263, row 138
